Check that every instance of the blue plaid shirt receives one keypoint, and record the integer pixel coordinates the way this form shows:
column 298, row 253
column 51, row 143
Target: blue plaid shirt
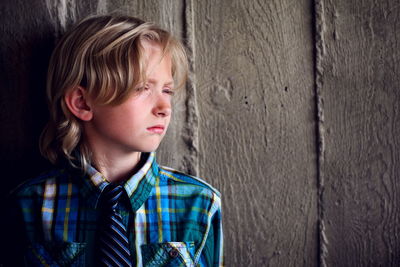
column 172, row 219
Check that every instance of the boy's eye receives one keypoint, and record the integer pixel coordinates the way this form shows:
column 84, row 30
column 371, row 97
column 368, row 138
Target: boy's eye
column 142, row 87
column 169, row 91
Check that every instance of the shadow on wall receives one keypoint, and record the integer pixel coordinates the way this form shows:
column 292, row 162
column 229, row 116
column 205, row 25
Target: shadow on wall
column 25, row 49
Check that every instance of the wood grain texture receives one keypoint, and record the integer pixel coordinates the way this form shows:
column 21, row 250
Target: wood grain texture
column 360, row 95
column 254, row 71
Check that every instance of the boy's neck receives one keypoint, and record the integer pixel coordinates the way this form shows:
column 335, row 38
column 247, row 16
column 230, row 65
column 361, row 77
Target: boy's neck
column 117, row 169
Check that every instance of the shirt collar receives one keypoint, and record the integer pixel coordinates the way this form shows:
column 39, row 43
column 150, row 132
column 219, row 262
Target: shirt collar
column 137, row 187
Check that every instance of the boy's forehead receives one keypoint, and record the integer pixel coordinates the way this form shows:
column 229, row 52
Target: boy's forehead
column 156, row 57
column 151, row 50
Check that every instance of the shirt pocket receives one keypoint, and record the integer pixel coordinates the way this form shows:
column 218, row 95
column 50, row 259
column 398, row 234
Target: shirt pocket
column 56, row 254
column 168, row 254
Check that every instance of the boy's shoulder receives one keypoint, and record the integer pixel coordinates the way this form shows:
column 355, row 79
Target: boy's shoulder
column 36, row 184
column 188, row 180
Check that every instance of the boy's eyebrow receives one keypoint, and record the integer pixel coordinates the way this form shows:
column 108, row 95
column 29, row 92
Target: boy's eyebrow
column 169, row 83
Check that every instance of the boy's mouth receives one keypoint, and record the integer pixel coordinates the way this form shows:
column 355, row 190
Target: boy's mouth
column 157, row 129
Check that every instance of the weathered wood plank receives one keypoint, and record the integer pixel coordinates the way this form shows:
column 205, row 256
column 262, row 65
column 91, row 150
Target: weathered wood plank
column 359, row 80
column 254, row 67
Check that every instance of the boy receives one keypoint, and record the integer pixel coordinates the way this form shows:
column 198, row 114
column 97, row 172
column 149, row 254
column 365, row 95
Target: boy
column 107, row 203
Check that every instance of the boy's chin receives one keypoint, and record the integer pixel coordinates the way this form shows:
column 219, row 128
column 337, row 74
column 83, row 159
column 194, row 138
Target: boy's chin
column 145, row 147
column 149, row 149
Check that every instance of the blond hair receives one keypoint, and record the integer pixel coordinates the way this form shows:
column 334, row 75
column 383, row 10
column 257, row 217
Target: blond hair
column 104, row 55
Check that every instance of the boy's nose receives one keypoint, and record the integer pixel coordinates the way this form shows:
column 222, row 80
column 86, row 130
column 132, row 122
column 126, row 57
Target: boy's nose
column 162, row 108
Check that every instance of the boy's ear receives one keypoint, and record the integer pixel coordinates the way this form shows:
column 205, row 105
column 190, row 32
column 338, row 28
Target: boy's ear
column 77, row 102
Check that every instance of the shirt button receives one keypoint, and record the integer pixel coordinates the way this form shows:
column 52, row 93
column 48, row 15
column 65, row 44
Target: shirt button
column 173, row 253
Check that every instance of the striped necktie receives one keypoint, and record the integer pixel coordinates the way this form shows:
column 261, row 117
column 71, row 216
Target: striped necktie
column 113, row 239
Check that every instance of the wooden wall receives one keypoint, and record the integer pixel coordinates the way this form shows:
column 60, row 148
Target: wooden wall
column 358, row 89
column 291, row 111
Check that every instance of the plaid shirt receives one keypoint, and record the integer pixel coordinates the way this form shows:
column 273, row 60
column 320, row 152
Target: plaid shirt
column 172, row 219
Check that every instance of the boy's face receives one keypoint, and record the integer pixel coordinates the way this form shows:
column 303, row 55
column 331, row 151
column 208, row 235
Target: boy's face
column 139, row 123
